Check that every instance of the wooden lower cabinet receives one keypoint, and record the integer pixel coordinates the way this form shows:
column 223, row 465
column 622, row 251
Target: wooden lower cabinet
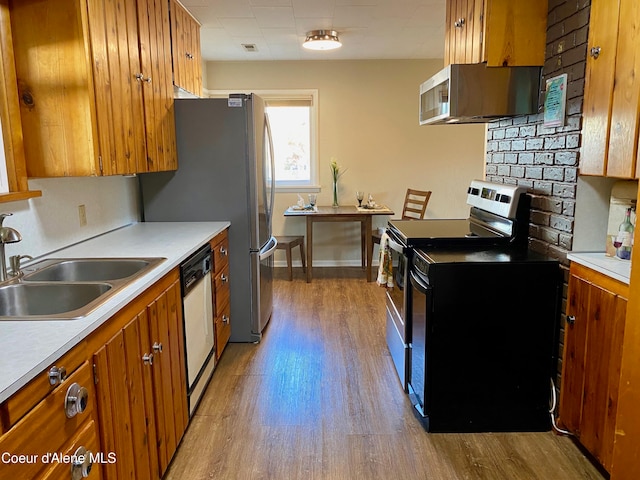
column 49, row 428
column 221, row 293
column 141, row 388
column 592, row 358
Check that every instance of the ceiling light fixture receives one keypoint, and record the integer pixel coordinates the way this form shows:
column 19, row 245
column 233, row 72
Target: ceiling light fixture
column 322, row 40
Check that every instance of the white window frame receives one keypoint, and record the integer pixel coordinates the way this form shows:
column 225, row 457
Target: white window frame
column 290, row 94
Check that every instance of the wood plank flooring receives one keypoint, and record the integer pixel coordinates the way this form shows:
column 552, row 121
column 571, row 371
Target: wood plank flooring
column 319, row 398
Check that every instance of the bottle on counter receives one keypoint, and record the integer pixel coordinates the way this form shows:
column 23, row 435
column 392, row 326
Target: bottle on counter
column 624, row 239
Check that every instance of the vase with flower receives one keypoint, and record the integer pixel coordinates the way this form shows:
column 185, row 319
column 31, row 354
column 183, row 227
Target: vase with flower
column 336, row 173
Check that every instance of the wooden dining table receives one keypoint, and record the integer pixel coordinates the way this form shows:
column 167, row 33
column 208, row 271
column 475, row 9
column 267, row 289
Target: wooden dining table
column 347, row 213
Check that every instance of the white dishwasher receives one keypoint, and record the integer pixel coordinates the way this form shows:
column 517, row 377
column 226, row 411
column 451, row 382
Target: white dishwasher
column 197, row 300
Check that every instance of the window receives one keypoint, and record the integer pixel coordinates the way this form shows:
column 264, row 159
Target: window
column 293, row 118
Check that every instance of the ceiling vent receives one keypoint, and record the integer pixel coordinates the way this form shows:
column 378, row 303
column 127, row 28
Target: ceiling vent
column 249, row 47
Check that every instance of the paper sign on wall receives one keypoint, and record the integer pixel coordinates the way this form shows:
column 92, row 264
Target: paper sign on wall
column 555, row 101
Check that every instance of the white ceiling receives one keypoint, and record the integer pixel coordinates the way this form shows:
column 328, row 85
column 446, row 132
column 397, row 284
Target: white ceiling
column 368, row 29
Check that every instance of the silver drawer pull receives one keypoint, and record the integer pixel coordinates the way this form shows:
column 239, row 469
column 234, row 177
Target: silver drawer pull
column 224, row 278
column 571, row 319
column 81, row 466
column 223, row 251
column 225, row 319
column 459, row 23
column 75, row 401
column 147, row 359
column 57, row 375
column 157, row 347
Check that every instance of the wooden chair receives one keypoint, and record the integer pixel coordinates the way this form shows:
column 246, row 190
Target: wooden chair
column 287, row 243
column 415, row 205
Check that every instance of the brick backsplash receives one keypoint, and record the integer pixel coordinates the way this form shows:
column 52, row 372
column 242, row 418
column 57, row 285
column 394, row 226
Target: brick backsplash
column 522, row 151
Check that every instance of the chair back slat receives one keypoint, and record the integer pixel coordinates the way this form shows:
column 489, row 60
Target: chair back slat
column 415, row 204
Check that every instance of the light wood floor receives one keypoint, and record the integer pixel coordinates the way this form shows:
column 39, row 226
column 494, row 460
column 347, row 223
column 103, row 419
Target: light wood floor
column 319, row 398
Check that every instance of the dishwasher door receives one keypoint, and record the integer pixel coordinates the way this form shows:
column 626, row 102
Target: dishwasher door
column 198, row 328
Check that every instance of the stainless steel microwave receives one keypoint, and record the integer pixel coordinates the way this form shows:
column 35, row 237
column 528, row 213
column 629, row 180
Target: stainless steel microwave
column 475, row 93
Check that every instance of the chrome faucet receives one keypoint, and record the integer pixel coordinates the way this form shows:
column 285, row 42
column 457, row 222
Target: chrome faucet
column 7, row 235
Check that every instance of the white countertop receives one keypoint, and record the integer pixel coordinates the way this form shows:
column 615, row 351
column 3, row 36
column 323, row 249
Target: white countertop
column 598, row 261
column 28, row 347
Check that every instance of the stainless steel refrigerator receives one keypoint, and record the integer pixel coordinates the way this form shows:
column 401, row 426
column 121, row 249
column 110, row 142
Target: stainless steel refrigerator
column 225, row 172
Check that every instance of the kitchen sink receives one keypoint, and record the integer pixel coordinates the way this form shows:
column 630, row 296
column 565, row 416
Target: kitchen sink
column 48, row 299
column 86, row 269
column 68, row 288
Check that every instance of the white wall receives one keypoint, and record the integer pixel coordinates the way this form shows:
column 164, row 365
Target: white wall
column 368, row 120
column 51, row 222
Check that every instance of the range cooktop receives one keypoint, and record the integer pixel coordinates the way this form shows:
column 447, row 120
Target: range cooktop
column 449, row 232
column 499, row 216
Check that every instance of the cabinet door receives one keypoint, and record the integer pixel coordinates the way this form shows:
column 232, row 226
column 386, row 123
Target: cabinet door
column 196, row 58
column 155, row 56
column 11, row 138
column 185, row 42
column 598, row 90
column 463, row 28
column 169, row 377
column 602, row 372
column 118, row 86
column 126, row 424
column 623, row 134
column 573, row 361
column 592, row 358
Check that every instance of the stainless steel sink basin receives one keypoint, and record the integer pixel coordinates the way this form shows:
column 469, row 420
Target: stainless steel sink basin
column 48, row 299
column 87, row 270
column 68, row 288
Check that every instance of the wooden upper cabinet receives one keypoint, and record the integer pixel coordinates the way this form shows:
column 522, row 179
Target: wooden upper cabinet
column 185, row 44
column 498, row 32
column 155, row 59
column 94, row 86
column 11, row 140
column 612, row 91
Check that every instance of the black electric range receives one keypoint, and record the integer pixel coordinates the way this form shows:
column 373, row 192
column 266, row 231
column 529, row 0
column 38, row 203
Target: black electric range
column 484, row 270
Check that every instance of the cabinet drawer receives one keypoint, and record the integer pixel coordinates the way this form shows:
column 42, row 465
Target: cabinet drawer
column 220, row 249
column 223, row 330
column 46, row 428
column 87, row 437
column 28, row 397
column 221, row 282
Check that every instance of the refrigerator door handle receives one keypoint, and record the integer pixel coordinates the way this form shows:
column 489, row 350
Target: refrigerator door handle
column 272, row 176
column 269, row 248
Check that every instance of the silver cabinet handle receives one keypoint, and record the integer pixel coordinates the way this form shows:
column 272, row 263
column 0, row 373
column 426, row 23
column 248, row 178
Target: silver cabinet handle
column 224, row 278
column 81, row 466
column 75, row 401
column 595, row 52
column 147, row 359
column 189, row 55
column 57, row 375
column 459, row 23
column 223, row 251
column 157, row 347
column 225, row 319
column 571, row 319
column 141, row 78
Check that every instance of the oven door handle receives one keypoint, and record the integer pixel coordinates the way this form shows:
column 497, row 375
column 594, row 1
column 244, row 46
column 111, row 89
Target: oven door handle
column 393, row 245
column 419, row 283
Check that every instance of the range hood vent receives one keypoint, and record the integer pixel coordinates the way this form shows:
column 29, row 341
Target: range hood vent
column 475, row 93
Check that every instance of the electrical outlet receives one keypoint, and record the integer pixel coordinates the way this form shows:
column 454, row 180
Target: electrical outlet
column 82, row 214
